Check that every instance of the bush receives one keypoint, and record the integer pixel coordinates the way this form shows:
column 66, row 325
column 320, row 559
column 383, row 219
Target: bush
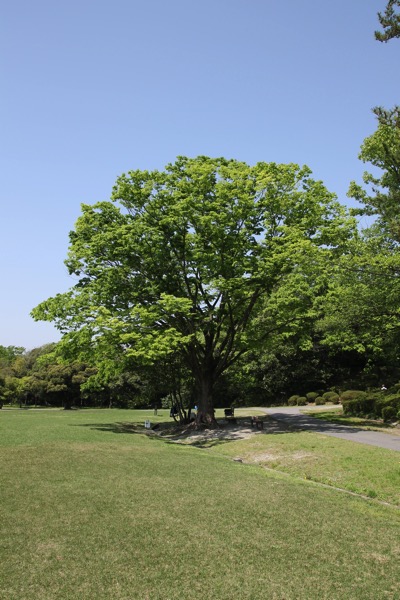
column 330, row 396
column 301, row 401
column 311, row 396
column 394, row 389
column 319, row 401
column 359, row 407
column 293, row 400
column 388, row 413
column 352, row 395
column 387, row 402
column 335, row 399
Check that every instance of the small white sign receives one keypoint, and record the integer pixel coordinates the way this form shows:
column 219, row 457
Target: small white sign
column 147, row 424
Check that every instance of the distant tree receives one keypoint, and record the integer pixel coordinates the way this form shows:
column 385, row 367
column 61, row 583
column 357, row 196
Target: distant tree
column 8, row 354
column 390, row 22
column 2, row 387
column 57, row 383
column 187, row 257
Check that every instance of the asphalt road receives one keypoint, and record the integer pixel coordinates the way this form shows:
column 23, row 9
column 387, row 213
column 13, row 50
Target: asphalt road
column 292, row 417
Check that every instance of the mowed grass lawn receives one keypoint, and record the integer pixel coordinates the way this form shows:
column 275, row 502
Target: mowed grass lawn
column 93, row 510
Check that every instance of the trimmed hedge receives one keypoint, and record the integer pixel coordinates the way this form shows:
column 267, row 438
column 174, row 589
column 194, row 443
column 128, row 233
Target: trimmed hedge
column 352, row 395
column 388, row 402
column 372, row 404
column 293, row 400
column 330, row 397
column 311, row 396
column 301, row 401
column 388, row 413
column 359, row 407
column 319, row 401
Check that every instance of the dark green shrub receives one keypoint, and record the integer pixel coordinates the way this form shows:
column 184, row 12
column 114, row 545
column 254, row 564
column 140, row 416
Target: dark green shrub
column 329, row 396
column 352, row 395
column 311, row 396
column 293, row 400
column 388, row 401
column 301, row 401
column 359, row 407
column 394, row 389
column 319, row 400
column 388, row 413
column 335, row 399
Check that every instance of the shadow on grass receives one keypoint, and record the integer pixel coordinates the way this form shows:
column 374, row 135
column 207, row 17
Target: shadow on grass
column 126, row 428
column 275, row 423
column 186, row 435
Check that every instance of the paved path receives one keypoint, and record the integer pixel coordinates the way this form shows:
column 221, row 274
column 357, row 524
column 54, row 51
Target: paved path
column 293, row 417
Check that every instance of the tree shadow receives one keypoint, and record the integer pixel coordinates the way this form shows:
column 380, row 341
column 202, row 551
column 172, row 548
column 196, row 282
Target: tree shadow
column 133, row 428
column 170, row 433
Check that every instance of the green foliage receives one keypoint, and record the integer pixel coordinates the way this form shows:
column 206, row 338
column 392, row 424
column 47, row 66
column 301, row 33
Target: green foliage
column 366, row 404
column 360, row 312
column 301, row 401
column 292, row 401
column 391, row 401
column 356, row 402
column 319, row 401
column 330, row 396
column 382, row 150
column 360, row 406
column 8, row 354
column 388, row 413
column 311, row 396
column 361, row 309
column 352, row 395
column 390, row 22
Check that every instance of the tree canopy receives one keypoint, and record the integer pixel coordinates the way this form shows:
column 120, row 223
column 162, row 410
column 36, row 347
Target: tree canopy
column 179, row 260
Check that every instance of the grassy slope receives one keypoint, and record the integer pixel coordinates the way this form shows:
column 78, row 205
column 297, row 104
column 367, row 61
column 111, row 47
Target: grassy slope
column 89, row 512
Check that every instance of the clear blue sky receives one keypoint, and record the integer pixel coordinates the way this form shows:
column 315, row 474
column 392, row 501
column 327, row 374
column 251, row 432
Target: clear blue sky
column 91, row 89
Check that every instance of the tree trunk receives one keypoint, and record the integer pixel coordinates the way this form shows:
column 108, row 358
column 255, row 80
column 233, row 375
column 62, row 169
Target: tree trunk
column 205, row 406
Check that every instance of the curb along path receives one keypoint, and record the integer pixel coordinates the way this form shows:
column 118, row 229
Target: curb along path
column 293, row 417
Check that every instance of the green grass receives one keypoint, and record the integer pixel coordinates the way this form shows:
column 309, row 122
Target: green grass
column 93, row 510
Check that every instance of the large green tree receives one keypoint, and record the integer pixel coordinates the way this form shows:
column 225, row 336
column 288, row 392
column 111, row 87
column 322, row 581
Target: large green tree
column 180, row 260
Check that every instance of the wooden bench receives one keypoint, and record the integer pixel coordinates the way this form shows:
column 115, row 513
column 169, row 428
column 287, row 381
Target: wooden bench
column 257, row 423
